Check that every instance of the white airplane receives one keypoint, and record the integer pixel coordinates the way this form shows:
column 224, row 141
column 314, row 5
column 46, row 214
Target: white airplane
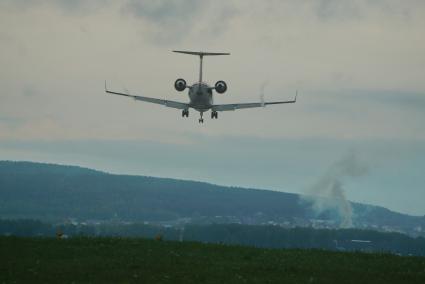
column 200, row 94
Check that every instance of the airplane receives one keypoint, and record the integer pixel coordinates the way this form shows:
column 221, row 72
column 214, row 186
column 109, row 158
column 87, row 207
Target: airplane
column 201, row 94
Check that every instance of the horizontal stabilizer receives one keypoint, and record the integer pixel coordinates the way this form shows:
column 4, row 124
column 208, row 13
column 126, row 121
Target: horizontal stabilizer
column 201, row 53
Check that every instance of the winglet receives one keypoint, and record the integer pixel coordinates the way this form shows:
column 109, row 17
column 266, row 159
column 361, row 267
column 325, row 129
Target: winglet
column 262, row 101
column 296, row 94
column 106, row 89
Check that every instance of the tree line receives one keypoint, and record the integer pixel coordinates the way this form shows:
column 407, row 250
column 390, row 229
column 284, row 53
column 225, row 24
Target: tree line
column 235, row 234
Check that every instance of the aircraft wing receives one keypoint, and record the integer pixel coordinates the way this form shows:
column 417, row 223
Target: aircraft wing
column 228, row 107
column 167, row 103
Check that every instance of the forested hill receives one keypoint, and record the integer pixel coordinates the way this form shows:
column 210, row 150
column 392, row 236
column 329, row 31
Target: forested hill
column 55, row 192
column 44, row 190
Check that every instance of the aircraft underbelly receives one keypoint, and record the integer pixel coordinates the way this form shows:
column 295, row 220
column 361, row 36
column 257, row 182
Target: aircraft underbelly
column 200, row 102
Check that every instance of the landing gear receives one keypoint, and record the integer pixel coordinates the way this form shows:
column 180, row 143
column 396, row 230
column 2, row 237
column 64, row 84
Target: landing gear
column 201, row 120
column 214, row 114
column 185, row 113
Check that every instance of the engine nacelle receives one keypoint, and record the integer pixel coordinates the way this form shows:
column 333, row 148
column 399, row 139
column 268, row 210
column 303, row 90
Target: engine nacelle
column 220, row 87
column 180, row 85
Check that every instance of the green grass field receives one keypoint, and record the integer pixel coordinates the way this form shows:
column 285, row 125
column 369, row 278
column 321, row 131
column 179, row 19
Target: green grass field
column 115, row 260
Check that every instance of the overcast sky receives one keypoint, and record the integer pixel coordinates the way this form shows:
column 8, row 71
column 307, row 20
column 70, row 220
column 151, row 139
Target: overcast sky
column 358, row 67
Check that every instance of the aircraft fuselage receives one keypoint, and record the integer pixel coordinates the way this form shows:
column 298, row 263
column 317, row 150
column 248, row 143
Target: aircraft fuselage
column 201, row 97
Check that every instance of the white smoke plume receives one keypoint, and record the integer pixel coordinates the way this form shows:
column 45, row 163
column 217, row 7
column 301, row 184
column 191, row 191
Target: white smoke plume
column 328, row 194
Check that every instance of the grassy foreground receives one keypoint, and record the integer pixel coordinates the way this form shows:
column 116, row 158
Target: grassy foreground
column 115, row 260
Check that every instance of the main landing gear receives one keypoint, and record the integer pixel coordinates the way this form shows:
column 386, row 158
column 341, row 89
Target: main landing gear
column 214, row 114
column 185, row 113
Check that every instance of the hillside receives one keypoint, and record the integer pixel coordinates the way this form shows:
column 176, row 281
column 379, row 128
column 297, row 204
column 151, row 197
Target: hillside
column 113, row 260
column 55, row 193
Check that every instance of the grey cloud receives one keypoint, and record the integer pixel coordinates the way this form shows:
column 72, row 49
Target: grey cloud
column 171, row 20
column 74, row 7
column 80, row 7
column 19, row 4
column 336, row 9
column 409, row 100
column 174, row 21
column 222, row 20
column 11, row 122
column 345, row 99
column 392, row 98
column 29, row 91
column 163, row 12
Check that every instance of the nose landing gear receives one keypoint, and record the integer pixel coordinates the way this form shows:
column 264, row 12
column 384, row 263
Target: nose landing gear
column 201, row 120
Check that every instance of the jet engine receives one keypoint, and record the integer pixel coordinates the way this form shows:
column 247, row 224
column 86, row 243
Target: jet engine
column 220, row 87
column 180, row 85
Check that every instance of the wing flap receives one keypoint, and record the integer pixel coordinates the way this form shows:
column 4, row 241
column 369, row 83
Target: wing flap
column 230, row 107
column 167, row 103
